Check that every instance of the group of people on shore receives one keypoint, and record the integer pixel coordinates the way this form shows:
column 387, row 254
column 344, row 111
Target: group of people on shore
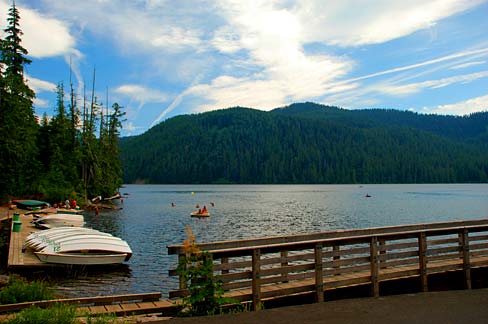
column 67, row 204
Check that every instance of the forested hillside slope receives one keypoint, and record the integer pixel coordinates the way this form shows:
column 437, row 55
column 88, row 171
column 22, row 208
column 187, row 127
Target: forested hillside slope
column 310, row 143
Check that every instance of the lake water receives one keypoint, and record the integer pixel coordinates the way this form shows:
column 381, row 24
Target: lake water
column 149, row 222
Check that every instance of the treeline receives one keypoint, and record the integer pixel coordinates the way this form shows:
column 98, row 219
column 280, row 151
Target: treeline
column 307, row 143
column 73, row 154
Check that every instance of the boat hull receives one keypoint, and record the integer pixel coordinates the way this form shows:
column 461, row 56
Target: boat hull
column 81, row 259
column 197, row 214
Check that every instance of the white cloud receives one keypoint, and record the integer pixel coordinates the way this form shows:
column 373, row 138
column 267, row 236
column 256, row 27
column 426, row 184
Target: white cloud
column 407, row 89
column 141, row 94
column 129, row 127
column 40, row 85
column 462, row 108
column 53, row 39
column 353, row 22
column 41, row 103
column 468, row 64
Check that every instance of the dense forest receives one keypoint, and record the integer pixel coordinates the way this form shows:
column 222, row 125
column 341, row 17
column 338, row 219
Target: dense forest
column 309, row 143
column 72, row 154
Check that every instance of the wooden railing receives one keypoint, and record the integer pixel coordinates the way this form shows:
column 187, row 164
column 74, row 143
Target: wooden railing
column 266, row 268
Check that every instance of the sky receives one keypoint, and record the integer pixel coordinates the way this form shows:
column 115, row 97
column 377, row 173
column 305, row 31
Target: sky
column 159, row 58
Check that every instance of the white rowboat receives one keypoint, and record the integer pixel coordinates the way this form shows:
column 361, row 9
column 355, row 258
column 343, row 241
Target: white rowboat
column 78, row 246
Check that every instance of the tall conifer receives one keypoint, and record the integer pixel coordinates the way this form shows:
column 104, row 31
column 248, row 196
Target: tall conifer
column 18, row 130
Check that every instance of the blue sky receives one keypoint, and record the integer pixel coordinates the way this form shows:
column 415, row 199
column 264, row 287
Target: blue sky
column 162, row 58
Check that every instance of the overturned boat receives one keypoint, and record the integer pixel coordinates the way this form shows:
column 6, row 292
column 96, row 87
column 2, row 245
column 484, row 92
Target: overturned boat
column 58, row 220
column 78, row 246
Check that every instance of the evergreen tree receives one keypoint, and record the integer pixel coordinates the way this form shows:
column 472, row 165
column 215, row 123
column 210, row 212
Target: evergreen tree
column 18, row 131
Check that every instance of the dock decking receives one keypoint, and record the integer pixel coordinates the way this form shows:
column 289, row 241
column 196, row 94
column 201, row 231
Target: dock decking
column 17, row 258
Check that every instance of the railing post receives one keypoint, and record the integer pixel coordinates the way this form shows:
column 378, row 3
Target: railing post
column 335, row 248
column 375, row 287
column 466, row 260
column 181, row 278
column 224, row 261
column 284, row 263
column 423, row 261
column 256, row 280
column 319, row 279
column 382, row 248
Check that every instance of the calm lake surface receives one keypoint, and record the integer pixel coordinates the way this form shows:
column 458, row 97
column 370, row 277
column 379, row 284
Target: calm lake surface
column 149, row 223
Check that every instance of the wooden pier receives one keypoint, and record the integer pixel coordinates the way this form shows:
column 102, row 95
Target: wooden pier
column 17, row 257
column 268, row 268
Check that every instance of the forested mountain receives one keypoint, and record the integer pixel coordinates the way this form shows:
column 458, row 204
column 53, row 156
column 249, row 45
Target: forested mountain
column 309, row 143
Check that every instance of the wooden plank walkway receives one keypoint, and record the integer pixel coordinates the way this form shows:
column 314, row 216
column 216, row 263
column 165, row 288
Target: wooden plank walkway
column 267, row 268
column 17, row 258
column 119, row 305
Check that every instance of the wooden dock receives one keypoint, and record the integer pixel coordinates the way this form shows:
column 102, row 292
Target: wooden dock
column 269, row 268
column 17, row 258
column 119, row 305
column 266, row 269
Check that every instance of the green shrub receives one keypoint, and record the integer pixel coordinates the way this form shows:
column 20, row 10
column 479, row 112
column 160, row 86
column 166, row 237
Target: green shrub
column 103, row 319
column 58, row 314
column 206, row 293
column 18, row 290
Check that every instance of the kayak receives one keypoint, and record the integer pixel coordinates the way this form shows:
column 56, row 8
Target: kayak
column 197, row 214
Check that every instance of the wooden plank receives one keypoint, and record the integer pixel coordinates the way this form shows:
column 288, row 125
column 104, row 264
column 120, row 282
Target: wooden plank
column 113, row 309
column 442, row 241
column 233, row 285
column 422, row 242
column 478, row 246
column 473, row 238
column 224, row 262
column 443, row 257
column 397, row 273
column 347, row 262
column 130, row 308
column 95, row 310
column 397, row 246
column 397, row 255
column 346, row 270
column 478, row 253
column 466, row 262
column 82, row 301
column 348, row 282
column 375, row 288
column 181, row 278
column 284, row 263
column 179, row 249
column 337, row 252
column 256, row 285
column 287, row 269
column 443, row 250
column 319, row 284
column 402, row 262
column 235, row 276
column 232, row 265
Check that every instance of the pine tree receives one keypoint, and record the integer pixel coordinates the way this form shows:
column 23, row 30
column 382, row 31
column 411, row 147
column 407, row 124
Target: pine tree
column 18, row 162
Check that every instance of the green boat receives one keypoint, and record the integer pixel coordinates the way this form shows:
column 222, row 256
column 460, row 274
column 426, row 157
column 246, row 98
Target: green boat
column 30, row 204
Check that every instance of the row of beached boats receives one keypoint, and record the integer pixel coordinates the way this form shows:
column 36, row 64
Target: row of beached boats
column 64, row 240
column 78, row 246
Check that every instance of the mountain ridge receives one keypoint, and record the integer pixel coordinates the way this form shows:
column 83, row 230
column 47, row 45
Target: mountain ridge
column 309, row 143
